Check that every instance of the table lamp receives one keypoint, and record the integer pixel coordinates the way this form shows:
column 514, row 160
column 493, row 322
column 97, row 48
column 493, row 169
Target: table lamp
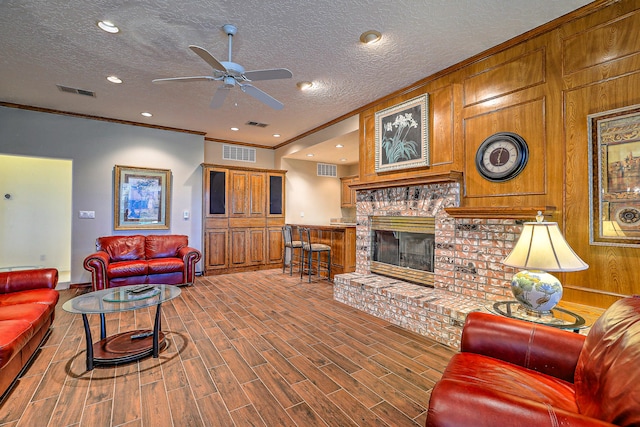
column 541, row 248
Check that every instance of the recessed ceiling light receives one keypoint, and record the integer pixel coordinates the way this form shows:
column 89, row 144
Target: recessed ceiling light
column 114, row 79
column 309, row 155
column 343, row 160
column 146, row 114
column 108, row 26
column 339, row 146
column 371, row 36
column 276, row 135
column 235, row 129
column 304, row 85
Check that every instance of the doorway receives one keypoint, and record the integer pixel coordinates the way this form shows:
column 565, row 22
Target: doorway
column 35, row 213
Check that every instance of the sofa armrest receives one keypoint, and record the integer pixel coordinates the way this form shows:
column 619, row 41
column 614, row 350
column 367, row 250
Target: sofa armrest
column 97, row 264
column 190, row 256
column 541, row 348
column 23, row 280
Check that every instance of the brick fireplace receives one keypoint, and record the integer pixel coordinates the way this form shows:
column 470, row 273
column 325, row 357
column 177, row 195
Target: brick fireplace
column 468, row 273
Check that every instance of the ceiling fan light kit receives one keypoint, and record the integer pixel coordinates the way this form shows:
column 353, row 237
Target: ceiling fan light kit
column 231, row 73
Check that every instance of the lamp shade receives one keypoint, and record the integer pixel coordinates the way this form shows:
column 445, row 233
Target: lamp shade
column 541, row 246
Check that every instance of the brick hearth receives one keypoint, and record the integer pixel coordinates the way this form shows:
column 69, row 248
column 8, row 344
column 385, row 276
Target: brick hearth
column 468, row 270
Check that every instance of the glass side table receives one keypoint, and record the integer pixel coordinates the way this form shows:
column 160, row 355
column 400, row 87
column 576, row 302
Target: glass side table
column 124, row 346
column 557, row 317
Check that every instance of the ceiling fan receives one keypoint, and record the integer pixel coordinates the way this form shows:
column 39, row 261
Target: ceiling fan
column 231, row 73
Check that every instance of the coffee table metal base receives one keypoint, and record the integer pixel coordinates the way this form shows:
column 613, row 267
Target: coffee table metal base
column 125, row 346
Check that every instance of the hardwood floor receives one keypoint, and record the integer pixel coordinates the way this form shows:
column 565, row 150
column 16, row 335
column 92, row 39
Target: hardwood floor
column 246, row 349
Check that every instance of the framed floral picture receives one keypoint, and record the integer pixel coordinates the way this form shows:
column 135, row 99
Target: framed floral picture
column 402, row 135
column 614, row 164
column 141, row 198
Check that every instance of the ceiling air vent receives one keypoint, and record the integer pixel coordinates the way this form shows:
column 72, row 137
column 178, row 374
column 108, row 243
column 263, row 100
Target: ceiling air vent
column 241, row 154
column 325, row 169
column 76, row 91
column 258, row 124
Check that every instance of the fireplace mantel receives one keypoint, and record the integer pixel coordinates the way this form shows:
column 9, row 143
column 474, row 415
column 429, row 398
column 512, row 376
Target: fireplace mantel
column 453, row 176
column 501, row 212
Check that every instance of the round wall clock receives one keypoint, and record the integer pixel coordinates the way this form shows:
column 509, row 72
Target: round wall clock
column 502, row 156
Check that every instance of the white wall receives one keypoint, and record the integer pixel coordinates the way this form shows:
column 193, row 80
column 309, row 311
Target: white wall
column 213, row 154
column 318, row 197
column 95, row 147
column 35, row 218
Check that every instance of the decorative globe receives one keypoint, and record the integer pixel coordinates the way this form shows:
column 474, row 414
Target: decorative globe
column 536, row 290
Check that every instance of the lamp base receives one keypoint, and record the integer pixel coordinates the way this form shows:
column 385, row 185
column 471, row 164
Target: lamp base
column 536, row 290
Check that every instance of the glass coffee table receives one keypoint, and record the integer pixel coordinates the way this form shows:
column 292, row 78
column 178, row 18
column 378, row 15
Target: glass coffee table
column 124, row 346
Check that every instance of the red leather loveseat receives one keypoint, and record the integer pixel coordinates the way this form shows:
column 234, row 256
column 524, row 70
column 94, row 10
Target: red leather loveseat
column 132, row 260
column 27, row 306
column 514, row 373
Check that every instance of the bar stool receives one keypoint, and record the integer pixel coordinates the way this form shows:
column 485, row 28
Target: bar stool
column 290, row 248
column 308, row 249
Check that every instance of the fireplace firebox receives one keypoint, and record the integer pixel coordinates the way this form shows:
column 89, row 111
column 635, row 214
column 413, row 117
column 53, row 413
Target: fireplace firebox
column 404, row 248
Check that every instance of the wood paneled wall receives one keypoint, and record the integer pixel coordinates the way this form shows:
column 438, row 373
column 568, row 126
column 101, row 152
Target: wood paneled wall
column 541, row 86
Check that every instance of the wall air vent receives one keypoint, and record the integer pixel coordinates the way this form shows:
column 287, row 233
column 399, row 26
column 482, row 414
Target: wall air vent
column 325, row 169
column 258, row 124
column 241, row 154
column 76, row 91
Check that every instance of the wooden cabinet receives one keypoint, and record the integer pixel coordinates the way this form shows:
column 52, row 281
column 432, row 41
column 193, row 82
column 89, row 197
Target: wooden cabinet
column 348, row 194
column 342, row 240
column 243, row 218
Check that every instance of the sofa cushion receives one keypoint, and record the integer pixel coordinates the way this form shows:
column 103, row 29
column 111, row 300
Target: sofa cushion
column 607, row 377
column 127, row 268
column 122, row 248
column 164, row 246
column 33, row 313
column 506, row 378
column 165, row 265
column 14, row 334
column 40, row 296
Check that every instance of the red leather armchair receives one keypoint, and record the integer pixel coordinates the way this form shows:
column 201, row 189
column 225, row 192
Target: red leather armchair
column 132, row 260
column 27, row 307
column 516, row 373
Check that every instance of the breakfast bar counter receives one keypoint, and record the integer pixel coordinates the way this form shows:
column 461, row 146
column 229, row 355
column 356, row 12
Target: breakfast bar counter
column 341, row 238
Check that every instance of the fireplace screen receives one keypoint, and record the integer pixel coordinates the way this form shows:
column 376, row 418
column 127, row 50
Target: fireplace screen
column 403, row 247
column 409, row 250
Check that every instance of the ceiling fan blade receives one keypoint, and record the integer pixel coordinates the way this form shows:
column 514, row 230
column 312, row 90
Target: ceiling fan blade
column 273, row 74
column 185, row 79
column 208, row 58
column 262, row 96
column 219, row 97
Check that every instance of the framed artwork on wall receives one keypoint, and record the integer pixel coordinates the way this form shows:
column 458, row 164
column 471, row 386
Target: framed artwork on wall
column 402, row 135
column 141, row 198
column 614, row 166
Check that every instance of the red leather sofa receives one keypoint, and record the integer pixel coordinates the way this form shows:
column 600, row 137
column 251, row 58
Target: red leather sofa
column 132, row 260
column 27, row 306
column 516, row 373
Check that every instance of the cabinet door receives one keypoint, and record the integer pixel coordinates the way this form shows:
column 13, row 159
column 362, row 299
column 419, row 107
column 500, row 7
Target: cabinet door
column 275, row 188
column 215, row 249
column 275, row 245
column 256, row 241
column 257, row 194
column 247, row 246
column 347, row 195
column 238, row 247
column 215, row 192
column 238, row 193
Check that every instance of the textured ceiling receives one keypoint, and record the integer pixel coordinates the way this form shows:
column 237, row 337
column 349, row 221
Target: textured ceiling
column 49, row 42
